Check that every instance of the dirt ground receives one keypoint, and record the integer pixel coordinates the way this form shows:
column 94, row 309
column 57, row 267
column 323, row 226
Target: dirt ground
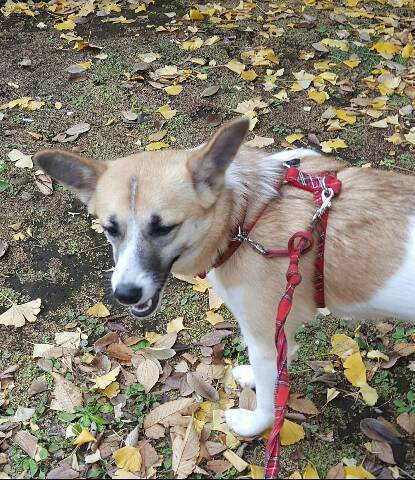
column 66, row 263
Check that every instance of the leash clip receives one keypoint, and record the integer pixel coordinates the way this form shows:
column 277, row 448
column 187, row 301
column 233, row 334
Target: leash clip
column 242, row 236
column 326, row 195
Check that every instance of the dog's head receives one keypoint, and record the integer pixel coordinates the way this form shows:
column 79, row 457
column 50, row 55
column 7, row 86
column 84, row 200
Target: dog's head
column 157, row 208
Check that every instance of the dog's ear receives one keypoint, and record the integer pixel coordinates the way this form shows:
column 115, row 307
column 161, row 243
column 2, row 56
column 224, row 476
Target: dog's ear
column 209, row 164
column 78, row 173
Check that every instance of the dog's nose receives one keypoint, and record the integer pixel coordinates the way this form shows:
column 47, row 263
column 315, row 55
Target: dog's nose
column 128, row 293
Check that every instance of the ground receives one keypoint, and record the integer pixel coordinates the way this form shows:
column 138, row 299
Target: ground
column 54, row 254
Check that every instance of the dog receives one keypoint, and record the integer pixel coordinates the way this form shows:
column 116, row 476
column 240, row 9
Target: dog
column 175, row 211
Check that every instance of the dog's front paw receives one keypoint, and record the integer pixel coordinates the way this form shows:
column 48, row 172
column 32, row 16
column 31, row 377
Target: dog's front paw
column 244, row 376
column 248, row 423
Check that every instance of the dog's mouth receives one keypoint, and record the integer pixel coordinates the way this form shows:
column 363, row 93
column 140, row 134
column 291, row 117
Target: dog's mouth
column 146, row 308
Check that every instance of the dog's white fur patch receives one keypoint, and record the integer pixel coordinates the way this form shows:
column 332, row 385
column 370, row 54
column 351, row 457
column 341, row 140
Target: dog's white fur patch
column 244, row 376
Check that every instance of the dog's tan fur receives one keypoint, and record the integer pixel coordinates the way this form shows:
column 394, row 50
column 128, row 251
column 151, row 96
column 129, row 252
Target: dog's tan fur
column 366, row 236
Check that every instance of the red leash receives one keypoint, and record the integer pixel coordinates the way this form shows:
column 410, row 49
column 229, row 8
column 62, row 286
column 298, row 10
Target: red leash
column 324, row 187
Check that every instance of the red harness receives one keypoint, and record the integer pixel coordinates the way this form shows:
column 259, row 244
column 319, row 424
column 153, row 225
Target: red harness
column 324, row 187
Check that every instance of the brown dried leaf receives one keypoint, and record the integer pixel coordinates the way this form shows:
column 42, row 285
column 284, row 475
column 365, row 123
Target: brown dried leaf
column 64, row 471
column 383, row 451
column 214, row 338
column 302, row 405
column 209, row 91
column 161, row 413
column 384, row 327
column 166, row 341
column 66, row 395
column 201, row 387
column 120, row 352
column 102, row 343
column 27, row 442
column 38, row 385
column 78, row 128
column 336, row 472
column 185, row 451
column 147, row 373
column 157, row 136
column 214, row 448
column 404, row 349
column 407, row 422
column 219, row 466
column 44, row 183
column 380, row 431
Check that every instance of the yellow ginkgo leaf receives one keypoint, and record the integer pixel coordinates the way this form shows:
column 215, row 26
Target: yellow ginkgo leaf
column 193, row 44
column 249, row 75
column 385, row 49
column 408, row 51
column 156, row 146
column 296, row 475
column 66, row 25
column 318, row 97
column 112, row 390
column 352, row 62
column 128, row 458
column 332, row 393
column 173, row 89
column 84, row 437
column 256, row 471
column 215, row 302
column 377, row 354
column 99, row 310
column 345, row 117
column 369, row 394
column 214, row 318
column 103, row 381
column 17, row 315
column 310, row 472
column 343, row 45
column 201, row 285
column 357, row 472
column 166, row 111
column 236, row 66
column 343, row 346
column 331, row 145
column 176, row 325
column 291, row 433
column 294, row 137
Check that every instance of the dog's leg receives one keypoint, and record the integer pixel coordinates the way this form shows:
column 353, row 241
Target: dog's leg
column 262, row 373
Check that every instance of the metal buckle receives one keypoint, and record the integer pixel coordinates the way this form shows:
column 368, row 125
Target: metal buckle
column 242, row 236
column 326, row 195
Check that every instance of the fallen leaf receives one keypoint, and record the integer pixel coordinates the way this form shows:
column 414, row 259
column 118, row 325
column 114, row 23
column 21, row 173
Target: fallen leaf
column 201, row 285
column 336, row 472
column 120, row 351
column 20, row 159
column 23, row 414
column 357, row 472
column 157, row 136
column 84, row 437
column 147, row 373
column 65, row 25
column 213, row 338
column 332, row 393
column 128, row 459
column 78, row 128
column 257, row 472
column 214, row 318
column 185, row 451
column 209, row 91
column 44, row 183
column 104, row 380
column 383, row 451
column 156, row 146
column 259, row 142
column 162, row 412
column 235, row 66
column 318, row 97
column 173, row 89
column 27, row 442
column 112, row 390
column 402, row 349
column 166, row 111
column 345, row 117
column 17, row 315
column 385, row 49
column 293, row 137
column 239, row 464
column 63, row 471
column 302, row 405
column 249, row 75
column 66, row 395
column 201, row 387
column 291, row 433
column 310, row 472
column 407, row 422
column 330, row 145
column 176, row 325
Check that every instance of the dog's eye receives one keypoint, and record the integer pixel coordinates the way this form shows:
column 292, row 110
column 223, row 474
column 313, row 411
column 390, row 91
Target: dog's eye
column 112, row 229
column 162, row 230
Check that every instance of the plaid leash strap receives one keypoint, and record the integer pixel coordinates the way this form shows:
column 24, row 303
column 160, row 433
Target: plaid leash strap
column 315, row 184
column 282, row 389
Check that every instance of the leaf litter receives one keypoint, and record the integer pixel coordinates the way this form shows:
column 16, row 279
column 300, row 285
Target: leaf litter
column 203, row 386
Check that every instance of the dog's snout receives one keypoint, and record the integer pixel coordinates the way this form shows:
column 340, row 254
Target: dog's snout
column 128, row 293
